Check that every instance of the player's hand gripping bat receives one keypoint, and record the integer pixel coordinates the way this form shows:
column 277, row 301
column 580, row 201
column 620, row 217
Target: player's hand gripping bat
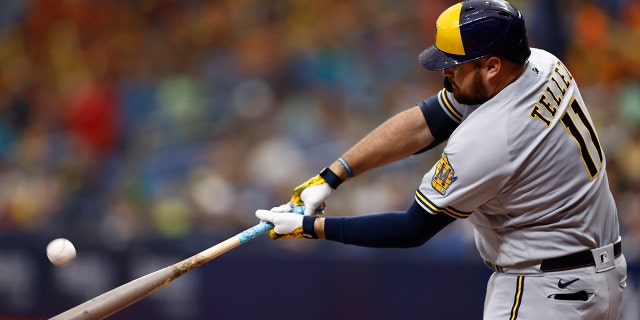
column 125, row 295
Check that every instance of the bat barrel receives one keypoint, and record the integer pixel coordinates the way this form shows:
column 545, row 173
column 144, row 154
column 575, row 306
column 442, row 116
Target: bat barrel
column 131, row 292
column 121, row 297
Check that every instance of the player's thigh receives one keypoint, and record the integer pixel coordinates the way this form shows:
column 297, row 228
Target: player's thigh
column 617, row 281
column 556, row 295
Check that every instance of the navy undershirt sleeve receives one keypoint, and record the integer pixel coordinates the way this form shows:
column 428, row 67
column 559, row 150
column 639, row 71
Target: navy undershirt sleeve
column 387, row 230
column 440, row 124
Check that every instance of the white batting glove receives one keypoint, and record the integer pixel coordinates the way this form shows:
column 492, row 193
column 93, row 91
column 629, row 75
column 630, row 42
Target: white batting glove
column 314, row 198
column 285, row 224
column 312, row 194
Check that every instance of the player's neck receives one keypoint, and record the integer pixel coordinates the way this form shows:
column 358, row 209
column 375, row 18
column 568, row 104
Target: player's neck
column 510, row 73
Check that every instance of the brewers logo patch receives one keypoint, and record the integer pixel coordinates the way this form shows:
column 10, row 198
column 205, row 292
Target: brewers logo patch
column 444, row 175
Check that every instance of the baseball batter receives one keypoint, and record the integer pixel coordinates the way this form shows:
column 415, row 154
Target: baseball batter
column 522, row 163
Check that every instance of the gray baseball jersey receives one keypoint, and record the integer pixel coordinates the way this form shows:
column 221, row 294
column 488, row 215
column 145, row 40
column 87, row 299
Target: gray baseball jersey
column 526, row 168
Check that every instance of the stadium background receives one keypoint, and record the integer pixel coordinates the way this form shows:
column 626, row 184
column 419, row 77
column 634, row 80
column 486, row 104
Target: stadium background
column 148, row 130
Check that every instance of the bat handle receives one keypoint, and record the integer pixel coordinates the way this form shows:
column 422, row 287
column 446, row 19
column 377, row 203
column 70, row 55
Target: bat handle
column 300, row 209
column 254, row 231
column 264, row 226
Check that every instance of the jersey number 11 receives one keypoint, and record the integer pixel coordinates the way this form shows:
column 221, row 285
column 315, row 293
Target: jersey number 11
column 574, row 131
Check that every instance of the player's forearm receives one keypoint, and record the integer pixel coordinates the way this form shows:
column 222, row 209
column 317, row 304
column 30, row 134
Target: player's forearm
column 383, row 230
column 397, row 138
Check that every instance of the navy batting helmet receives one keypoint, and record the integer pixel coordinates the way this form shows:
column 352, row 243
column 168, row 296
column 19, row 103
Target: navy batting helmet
column 475, row 29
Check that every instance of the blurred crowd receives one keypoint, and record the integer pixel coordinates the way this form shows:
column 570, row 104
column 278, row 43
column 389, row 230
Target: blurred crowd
column 132, row 120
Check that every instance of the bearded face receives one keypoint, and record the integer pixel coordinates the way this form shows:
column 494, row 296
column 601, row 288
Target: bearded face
column 466, row 83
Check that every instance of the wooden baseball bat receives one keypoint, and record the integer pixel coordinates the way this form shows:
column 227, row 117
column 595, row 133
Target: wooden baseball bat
column 131, row 292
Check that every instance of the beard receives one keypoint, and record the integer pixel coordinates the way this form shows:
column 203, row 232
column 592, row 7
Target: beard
column 477, row 93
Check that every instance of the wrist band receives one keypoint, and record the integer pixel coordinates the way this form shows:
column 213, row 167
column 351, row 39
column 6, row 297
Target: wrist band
column 346, row 166
column 308, row 230
column 331, row 178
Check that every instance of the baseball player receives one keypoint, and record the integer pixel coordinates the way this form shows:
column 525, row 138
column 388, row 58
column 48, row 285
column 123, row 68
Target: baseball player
column 522, row 163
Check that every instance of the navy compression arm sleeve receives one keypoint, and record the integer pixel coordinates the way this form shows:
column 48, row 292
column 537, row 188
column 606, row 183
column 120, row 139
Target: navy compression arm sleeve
column 387, row 230
column 440, row 124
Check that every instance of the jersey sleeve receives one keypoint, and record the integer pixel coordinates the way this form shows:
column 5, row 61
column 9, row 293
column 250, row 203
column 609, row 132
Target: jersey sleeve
column 473, row 169
column 443, row 115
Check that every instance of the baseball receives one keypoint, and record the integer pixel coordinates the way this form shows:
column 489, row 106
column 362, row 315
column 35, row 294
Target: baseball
column 61, row 251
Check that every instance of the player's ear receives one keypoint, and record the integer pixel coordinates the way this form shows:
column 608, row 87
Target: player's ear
column 493, row 65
